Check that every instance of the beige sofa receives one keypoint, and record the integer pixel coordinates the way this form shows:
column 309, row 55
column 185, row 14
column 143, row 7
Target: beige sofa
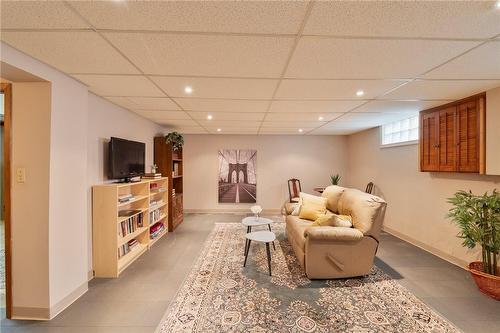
column 337, row 252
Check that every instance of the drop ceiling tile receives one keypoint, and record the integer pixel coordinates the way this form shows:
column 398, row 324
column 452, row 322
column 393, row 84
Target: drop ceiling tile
column 239, row 116
column 292, row 124
column 367, row 120
column 70, row 52
column 111, row 85
column 335, row 131
column 443, row 19
column 177, row 123
column 39, row 15
column 355, row 122
column 456, row 89
column 314, row 106
column 296, row 116
column 317, row 57
column 480, row 63
column 283, row 131
column 163, row 115
column 145, row 103
column 205, row 55
column 234, row 130
column 187, row 129
column 399, row 106
column 217, row 87
column 222, row 105
column 229, row 123
column 333, row 89
column 210, row 16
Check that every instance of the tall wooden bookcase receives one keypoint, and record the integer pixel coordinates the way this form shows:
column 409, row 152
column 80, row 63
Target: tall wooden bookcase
column 171, row 164
column 149, row 199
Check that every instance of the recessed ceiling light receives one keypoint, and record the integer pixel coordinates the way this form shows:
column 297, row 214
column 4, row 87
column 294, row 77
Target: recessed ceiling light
column 301, row 130
column 209, row 117
column 320, row 118
column 497, row 4
column 188, row 89
column 360, row 93
column 218, row 130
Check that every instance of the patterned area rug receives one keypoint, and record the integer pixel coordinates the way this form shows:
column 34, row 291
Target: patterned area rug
column 219, row 295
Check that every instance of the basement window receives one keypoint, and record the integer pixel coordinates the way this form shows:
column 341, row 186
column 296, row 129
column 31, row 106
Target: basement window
column 401, row 132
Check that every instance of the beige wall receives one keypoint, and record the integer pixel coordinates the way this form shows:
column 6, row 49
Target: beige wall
column 66, row 198
column 106, row 120
column 312, row 159
column 30, row 200
column 493, row 132
column 416, row 200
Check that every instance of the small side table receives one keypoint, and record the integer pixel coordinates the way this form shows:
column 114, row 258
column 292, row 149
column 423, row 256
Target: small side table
column 254, row 221
column 262, row 237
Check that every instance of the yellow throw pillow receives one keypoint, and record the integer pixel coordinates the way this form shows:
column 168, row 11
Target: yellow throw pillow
column 313, row 201
column 323, row 220
column 311, row 206
column 333, row 220
column 308, row 213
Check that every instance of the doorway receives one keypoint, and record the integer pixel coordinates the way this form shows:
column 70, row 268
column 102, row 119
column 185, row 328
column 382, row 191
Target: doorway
column 5, row 113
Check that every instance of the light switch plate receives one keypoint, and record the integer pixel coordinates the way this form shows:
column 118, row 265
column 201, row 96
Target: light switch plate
column 21, row 175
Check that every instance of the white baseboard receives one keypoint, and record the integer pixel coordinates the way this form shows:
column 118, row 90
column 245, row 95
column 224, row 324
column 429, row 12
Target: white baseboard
column 451, row 259
column 68, row 300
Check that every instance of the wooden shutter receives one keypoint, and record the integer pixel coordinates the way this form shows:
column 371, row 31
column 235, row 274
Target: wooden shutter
column 429, row 141
column 468, row 136
column 447, row 139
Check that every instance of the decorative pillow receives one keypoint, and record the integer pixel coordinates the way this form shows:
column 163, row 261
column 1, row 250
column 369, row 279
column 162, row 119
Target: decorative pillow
column 333, row 220
column 308, row 213
column 342, row 221
column 323, row 220
column 312, row 205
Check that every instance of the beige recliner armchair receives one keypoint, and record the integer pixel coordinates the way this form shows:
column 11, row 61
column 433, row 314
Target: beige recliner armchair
column 338, row 252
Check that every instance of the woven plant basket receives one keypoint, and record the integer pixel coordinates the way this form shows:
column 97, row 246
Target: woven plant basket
column 488, row 284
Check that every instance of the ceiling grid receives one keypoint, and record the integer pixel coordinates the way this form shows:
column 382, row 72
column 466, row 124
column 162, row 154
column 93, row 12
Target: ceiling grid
column 265, row 67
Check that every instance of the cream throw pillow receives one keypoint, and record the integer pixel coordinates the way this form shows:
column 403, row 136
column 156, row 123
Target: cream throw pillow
column 311, row 206
column 333, row 220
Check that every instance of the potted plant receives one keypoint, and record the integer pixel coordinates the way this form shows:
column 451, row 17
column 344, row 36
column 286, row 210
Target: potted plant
column 478, row 217
column 175, row 139
column 335, row 179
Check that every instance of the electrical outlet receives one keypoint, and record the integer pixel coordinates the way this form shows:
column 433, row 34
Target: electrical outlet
column 21, row 175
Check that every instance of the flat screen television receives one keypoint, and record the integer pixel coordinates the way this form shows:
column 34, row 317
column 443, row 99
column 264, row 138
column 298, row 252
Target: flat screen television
column 126, row 159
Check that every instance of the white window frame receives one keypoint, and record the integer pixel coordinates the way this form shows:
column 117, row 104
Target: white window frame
column 399, row 143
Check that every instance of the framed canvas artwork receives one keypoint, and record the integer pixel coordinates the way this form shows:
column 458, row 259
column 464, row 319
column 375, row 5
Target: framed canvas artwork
column 237, row 176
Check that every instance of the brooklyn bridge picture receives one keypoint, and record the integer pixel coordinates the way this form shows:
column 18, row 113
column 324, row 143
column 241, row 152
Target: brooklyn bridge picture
column 237, row 176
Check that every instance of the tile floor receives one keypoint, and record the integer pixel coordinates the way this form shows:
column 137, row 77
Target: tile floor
column 153, row 280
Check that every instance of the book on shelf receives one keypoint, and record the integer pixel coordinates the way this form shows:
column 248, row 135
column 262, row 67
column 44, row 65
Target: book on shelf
column 125, row 198
column 127, row 247
column 156, row 230
column 154, row 203
column 128, row 212
column 176, row 170
column 130, row 225
column 151, row 176
column 154, row 216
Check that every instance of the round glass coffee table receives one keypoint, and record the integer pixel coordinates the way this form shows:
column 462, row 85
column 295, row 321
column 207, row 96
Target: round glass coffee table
column 265, row 237
column 255, row 221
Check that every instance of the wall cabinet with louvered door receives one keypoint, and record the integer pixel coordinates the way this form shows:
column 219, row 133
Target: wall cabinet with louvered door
column 429, row 141
column 447, row 139
column 468, row 136
column 450, row 136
